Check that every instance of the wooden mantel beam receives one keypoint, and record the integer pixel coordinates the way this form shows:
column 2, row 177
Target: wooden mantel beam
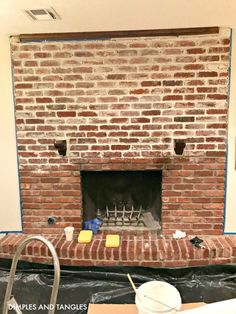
column 118, row 34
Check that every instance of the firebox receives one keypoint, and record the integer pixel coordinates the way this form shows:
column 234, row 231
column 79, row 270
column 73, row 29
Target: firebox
column 123, row 199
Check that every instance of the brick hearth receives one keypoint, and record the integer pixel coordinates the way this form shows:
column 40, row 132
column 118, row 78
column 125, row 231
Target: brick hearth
column 142, row 249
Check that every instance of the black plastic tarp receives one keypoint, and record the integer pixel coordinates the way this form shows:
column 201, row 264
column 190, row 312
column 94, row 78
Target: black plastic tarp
column 80, row 286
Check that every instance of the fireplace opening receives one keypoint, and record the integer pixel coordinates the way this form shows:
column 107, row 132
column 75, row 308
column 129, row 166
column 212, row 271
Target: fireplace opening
column 123, row 198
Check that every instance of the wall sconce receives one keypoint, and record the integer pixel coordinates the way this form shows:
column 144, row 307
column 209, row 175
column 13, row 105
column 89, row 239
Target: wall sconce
column 179, row 146
column 61, row 147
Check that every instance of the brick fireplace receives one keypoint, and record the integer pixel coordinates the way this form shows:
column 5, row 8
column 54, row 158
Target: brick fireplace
column 121, row 105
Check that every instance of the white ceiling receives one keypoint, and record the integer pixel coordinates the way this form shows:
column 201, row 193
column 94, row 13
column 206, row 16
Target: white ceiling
column 111, row 15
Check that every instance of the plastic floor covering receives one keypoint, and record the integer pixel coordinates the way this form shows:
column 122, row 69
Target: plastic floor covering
column 80, row 286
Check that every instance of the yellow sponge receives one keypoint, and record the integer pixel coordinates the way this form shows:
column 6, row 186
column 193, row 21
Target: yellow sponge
column 112, row 240
column 85, row 236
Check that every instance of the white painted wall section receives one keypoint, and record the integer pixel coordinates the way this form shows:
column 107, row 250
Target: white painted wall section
column 10, row 213
column 230, row 210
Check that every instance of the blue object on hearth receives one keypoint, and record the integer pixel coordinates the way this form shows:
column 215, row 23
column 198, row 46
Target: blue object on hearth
column 93, row 224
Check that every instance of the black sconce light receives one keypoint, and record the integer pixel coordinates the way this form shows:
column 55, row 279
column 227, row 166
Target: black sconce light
column 179, row 146
column 61, row 147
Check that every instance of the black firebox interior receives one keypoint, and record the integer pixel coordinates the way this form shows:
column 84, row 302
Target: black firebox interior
column 122, row 189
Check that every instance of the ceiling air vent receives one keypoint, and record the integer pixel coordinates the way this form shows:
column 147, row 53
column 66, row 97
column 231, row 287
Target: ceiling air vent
column 43, row 14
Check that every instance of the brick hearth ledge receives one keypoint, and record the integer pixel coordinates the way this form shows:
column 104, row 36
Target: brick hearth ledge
column 140, row 249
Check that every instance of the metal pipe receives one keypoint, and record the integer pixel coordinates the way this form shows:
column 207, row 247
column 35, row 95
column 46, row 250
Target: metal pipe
column 56, row 281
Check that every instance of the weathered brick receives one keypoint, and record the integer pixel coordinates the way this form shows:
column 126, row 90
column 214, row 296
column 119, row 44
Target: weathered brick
column 184, row 74
column 217, row 96
column 44, row 100
column 184, row 119
column 172, row 97
column 139, row 91
column 209, row 58
column 150, row 83
column 34, row 121
column 66, row 113
column 116, row 76
column 196, row 51
column 193, row 66
column 172, row 83
column 48, row 63
column 207, row 74
column 23, row 85
column 42, row 55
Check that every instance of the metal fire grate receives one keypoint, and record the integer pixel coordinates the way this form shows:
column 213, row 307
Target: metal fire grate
column 114, row 215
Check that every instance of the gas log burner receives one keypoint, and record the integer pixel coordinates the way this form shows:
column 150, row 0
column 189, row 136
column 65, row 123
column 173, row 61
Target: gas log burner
column 123, row 199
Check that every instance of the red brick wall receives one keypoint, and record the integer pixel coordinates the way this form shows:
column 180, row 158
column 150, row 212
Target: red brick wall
column 120, row 104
